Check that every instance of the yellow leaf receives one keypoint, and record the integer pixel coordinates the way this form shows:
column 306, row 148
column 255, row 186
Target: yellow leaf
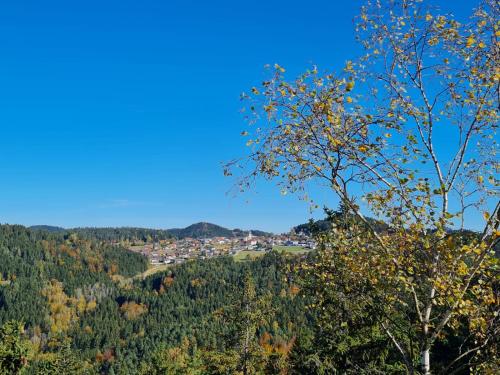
column 348, row 66
column 349, row 99
column 363, row 148
column 428, row 17
column 470, row 41
column 349, row 86
column 433, row 41
column 268, row 108
column 277, row 67
column 462, row 268
column 333, row 141
column 486, row 215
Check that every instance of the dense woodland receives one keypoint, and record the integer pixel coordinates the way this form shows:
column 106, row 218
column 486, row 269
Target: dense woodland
column 72, row 303
column 76, row 294
column 131, row 235
column 64, row 288
column 125, row 234
column 32, row 259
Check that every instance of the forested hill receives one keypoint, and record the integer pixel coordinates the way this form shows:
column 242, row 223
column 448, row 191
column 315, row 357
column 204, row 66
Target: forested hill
column 207, row 230
column 33, row 262
column 68, row 290
column 47, row 228
column 198, row 230
column 122, row 234
column 81, row 312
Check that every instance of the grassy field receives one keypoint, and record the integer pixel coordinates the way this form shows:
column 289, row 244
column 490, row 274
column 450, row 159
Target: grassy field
column 245, row 254
column 291, row 249
column 136, row 247
column 152, row 270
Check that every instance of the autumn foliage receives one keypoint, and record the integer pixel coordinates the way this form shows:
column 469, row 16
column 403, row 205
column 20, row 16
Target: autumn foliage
column 132, row 310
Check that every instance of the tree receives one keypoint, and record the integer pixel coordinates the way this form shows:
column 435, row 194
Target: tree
column 15, row 351
column 346, row 306
column 61, row 360
column 410, row 130
column 177, row 360
column 246, row 315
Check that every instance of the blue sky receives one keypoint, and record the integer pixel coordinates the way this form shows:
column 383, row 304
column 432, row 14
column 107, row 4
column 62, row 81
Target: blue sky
column 119, row 113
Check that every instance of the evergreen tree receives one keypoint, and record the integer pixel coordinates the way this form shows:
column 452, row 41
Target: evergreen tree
column 15, row 350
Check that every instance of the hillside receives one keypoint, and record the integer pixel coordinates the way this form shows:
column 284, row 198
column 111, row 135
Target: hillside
column 198, row 230
column 208, row 230
column 64, row 286
column 32, row 259
column 47, row 228
column 122, row 233
column 68, row 290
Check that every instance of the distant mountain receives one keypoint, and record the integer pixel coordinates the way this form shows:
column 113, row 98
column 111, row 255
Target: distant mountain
column 122, row 233
column 208, row 230
column 201, row 230
column 198, row 230
column 47, row 228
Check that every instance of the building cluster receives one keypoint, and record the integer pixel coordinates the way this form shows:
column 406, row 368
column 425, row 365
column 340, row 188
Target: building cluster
column 174, row 251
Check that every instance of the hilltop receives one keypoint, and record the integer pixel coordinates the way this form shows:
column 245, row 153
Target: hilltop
column 47, row 228
column 197, row 230
column 208, row 230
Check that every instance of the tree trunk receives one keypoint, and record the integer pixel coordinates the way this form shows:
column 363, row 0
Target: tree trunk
column 425, row 357
column 426, row 361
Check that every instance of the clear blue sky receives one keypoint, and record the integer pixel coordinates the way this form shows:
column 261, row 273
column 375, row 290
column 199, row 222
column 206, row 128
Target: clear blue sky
column 119, row 113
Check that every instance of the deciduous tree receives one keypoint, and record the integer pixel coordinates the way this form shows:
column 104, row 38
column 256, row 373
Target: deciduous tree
column 409, row 129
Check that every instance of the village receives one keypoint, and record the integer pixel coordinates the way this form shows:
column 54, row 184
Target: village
column 175, row 251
